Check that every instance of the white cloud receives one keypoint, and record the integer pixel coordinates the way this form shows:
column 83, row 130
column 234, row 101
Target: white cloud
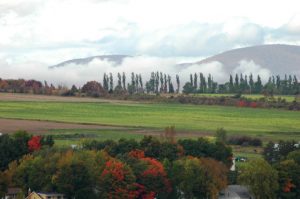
column 51, row 31
column 79, row 74
column 250, row 67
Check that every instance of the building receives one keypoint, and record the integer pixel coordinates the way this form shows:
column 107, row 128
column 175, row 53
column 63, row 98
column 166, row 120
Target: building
column 36, row 195
column 12, row 193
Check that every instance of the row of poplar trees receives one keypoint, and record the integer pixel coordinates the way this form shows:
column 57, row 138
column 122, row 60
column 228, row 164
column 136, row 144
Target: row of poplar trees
column 162, row 83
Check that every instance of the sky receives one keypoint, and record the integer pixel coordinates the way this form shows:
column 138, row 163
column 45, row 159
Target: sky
column 35, row 34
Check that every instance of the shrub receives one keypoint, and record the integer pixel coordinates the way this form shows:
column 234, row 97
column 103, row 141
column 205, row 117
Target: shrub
column 244, row 141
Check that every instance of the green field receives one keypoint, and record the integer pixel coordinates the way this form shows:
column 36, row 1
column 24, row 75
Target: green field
column 66, row 137
column 257, row 122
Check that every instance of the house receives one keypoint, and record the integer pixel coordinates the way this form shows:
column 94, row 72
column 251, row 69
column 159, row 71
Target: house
column 39, row 195
column 12, row 193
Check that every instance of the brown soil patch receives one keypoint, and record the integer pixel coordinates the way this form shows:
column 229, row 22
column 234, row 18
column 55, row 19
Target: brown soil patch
column 12, row 125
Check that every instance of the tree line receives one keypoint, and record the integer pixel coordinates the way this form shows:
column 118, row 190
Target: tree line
column 150, row 168
column 160, row 83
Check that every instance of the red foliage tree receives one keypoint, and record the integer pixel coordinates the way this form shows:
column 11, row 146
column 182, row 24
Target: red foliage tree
column 34, row 143
column 288, row 186
column 137, row 154
column 151, row 176
column 117, row 181
column 241, row 103
column 253, row 104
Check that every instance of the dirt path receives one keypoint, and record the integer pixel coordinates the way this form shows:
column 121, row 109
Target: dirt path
column 12, row 125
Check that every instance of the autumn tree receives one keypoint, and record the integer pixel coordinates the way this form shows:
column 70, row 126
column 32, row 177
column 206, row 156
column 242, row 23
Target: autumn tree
column 117, row 181
column 150, row 175
column 34, row 143
column 289, row 179
column 198, row 178
column 261, row 178
column 93, row 88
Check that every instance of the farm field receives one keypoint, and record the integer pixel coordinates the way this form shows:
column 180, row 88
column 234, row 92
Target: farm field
column 264, row 123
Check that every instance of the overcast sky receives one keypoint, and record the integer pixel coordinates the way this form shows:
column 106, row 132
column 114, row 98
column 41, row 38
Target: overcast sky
column 51, row 31
column 54, row 30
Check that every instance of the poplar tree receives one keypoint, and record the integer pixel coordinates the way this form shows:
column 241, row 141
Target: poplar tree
column 236, row 83
column 251, row 83
column 137, row 83
column 124, row 81
column 178, row 83
column 105, row 82
column 111, row 82
column 195, row 81
column 161, row 78
column 156, row 82
column 119, row 80
column 231, row 86
column 141, row 83
column 166, row 84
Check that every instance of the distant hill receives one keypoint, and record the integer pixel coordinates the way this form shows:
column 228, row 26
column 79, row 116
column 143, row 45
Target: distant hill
column 117, row 59
column 279, row 59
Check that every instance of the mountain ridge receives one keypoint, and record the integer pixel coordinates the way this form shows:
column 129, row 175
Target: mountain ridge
column 275, row 57
column 117, row 59
column 278, row 58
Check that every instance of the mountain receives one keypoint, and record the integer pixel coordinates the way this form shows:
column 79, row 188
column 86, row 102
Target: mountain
column 279, row 59
column 276, row 58
column 117, row 59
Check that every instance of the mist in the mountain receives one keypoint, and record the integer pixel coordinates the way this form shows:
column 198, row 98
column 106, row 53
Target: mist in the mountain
column 79, row 74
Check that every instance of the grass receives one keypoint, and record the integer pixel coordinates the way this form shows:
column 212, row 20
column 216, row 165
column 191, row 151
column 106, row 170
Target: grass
column 67, row 137
column 256, row 122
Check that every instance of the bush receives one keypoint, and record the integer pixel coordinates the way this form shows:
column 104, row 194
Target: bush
column 244, row 141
